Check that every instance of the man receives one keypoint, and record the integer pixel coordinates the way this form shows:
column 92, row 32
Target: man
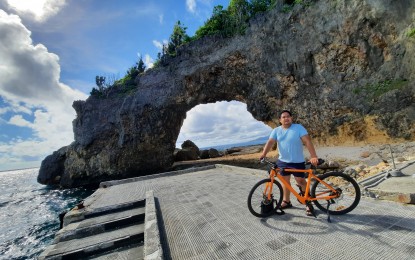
column 290, row 139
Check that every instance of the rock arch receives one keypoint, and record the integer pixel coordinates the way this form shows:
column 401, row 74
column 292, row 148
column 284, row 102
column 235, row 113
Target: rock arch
column 318, row 61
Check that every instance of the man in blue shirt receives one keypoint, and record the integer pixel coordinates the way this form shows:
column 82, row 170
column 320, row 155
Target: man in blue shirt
column 290, row 139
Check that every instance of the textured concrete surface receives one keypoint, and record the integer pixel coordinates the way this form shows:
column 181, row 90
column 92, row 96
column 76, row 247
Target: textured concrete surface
column 399, row 189
column 203, row 215
column 152, row 241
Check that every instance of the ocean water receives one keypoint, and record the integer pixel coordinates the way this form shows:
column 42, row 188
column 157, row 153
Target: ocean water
column 29, row 213
column 259, row 141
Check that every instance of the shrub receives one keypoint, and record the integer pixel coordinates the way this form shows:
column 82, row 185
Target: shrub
column 289, row 5
column 411, row 33
column 376, row 90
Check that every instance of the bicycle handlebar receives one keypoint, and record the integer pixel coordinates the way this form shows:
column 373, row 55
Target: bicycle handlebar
column 264, row 160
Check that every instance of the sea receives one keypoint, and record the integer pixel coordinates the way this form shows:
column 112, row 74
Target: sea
column 29, row 213
column 259, row 141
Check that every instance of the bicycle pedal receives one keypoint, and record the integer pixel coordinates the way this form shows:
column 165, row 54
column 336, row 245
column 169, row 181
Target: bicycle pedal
column 311, row 210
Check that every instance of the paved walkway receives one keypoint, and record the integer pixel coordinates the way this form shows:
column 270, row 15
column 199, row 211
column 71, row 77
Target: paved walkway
column 400, row 189
column 203, row 215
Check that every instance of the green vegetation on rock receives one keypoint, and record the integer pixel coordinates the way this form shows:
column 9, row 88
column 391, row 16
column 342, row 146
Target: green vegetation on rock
column 126, row 85
column 376, row 90
column 411, row 33
column 289, row 4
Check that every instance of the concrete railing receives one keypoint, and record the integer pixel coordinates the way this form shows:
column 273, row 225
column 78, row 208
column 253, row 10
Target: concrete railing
column 152, row 240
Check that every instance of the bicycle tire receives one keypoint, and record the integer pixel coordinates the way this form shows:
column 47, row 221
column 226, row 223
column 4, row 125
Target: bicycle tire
column 348, row 200
column 256, row 198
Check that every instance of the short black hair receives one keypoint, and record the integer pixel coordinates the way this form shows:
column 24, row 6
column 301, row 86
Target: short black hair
column 285, row 111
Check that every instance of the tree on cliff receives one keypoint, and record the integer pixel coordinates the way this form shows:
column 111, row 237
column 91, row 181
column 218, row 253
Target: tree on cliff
column 132, row 73
column 233, row 20
column 127, row 83
column 239, row 15
column 257, row 6
column 215, row 25
column 177, row 38
column 141, row 67
column 102, row 86
column 136, row 69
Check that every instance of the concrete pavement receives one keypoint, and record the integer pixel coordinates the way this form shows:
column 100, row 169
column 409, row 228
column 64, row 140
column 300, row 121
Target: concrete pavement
column 399, row 189
column 203, row 214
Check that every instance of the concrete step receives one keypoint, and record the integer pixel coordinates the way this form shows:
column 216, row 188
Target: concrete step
column 97, row 244
column 100, row 224
column 76, row 214
column 102, row 233
column 132, row 252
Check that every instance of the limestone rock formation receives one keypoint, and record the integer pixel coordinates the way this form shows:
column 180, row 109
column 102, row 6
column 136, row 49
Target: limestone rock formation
column 345, row 68
column 204, row 154
column 189, row 145
column 189, row 152
column 213, row 153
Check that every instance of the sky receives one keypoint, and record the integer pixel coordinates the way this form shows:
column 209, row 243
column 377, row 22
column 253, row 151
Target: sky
column 51, row 51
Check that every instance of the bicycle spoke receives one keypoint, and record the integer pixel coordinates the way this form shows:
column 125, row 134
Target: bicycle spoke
column 346, row 196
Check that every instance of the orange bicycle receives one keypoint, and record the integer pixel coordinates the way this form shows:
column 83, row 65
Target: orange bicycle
column 333, row 192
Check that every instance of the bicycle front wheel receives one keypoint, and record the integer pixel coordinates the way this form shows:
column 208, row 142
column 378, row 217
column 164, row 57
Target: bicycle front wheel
column 347, row 188
column 259, row 204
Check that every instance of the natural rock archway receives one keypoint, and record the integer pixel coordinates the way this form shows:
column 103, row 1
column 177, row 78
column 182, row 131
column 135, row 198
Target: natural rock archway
column 345, row 69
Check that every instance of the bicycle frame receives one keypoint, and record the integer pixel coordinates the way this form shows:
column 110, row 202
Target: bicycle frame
column 275, row 172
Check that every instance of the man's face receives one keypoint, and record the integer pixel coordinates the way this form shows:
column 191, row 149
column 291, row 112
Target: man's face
column 286, row 119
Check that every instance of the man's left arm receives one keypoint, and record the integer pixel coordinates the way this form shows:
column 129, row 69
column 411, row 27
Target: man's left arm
column 309, row 144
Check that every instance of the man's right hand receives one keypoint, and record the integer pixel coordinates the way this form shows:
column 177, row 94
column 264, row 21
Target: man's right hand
column 314, row 161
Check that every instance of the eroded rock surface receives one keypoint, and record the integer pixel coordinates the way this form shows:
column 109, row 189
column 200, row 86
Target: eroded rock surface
column 345, row 68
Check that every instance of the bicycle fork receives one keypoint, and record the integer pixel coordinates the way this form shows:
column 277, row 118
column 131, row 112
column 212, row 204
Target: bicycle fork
column 268, row 195
column 268, row 191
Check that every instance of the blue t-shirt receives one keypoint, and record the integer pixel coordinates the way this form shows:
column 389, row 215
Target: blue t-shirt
column 290, row 146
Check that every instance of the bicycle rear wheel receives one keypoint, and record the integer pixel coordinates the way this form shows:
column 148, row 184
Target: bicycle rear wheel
column 258, row 203
column 346, row 186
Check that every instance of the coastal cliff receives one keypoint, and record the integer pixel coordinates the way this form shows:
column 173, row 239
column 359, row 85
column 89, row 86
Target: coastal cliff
column 345, row 68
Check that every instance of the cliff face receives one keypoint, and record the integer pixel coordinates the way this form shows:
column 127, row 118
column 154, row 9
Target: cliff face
column 346, row 68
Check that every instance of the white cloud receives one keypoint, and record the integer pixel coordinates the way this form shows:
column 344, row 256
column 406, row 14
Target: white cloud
column 221, row 123
column 4, row 110
column 18, row 120
column 15, row 106
column 191, row 5
column 159, row 45
column 30, row 71
column 161, row 18
column 148, row 61
column 29, row 84
column 38, row 10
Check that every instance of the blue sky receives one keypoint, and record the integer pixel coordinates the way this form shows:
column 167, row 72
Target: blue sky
column 51, row 51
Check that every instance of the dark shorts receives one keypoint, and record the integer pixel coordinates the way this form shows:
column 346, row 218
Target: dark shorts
column 285, row 165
